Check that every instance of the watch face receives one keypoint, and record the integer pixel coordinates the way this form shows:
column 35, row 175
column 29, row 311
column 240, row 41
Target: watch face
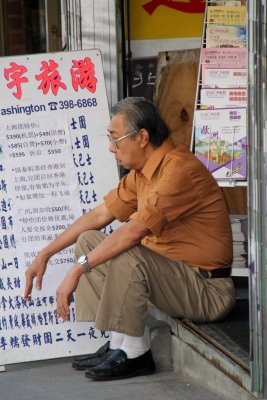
column 81, row 259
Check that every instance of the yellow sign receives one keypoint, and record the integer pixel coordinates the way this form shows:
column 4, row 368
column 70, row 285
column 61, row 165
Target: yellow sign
column 164, row 19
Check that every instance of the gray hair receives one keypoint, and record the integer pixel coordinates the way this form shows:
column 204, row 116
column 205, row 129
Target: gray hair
column 141, row 113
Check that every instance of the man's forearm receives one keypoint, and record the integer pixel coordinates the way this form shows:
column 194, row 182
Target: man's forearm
column 125, row 237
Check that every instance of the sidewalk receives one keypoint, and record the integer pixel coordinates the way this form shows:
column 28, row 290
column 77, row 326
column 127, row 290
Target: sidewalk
column 57, row 380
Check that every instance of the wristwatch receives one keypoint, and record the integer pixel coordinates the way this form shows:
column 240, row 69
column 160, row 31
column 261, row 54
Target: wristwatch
column 84, row 263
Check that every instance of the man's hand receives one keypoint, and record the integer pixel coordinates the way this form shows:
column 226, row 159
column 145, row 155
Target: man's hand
column 65, row 290
column 36, row 270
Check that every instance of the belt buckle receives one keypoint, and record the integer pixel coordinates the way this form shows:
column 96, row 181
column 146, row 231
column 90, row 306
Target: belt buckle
column 205, row 273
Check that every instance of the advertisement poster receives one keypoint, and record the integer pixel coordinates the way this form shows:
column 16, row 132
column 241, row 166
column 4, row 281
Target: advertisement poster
column 54, row 166
column 227, row 15
column 223, row 98
column 224, row 77
column 224, row 58
column 226, row 36
column 221, row 142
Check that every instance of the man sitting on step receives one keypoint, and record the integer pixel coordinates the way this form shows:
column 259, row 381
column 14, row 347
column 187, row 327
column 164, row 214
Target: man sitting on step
column 174, row 248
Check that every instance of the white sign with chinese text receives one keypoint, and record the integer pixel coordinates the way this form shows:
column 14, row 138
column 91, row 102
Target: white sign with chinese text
column 54, row 166
column 223, row 98
column 224, row 77
column 43, row 190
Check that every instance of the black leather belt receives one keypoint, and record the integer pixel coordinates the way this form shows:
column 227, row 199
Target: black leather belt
column 216, row 273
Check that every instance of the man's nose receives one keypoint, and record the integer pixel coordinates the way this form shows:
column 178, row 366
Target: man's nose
column 112, row 147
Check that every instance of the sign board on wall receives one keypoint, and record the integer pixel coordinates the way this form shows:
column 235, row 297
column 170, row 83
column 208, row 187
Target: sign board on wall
column 54, row 166
column 161, row 19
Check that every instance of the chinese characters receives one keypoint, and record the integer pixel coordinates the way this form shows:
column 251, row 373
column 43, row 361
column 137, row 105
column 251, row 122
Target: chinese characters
column 82, row 76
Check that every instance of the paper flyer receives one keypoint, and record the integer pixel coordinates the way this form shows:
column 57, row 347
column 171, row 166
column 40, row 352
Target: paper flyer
column 226, row 36
column 226, row 3
column 224, row 58
column 227, row 15
column 224, row 77
column 223, row 98
column 221, row 142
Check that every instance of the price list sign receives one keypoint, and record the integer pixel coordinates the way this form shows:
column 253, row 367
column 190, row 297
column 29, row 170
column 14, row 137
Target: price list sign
column 54, row 166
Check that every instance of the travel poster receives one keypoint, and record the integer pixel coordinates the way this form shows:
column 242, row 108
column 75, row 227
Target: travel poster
column 221, row 142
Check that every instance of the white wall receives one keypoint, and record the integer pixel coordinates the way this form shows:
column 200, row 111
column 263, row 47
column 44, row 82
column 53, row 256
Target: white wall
column 98, row 25
column 150, row 48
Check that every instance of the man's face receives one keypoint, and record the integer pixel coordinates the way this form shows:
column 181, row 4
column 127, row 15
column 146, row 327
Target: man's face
column 127, row 151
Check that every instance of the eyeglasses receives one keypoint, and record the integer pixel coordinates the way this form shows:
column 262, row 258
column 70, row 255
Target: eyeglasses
column 114, row 141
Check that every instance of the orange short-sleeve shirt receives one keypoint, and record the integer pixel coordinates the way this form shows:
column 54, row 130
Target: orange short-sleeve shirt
column 181, row 204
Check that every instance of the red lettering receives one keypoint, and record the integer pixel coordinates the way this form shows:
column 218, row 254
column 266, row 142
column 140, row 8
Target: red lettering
column 83, row 75
column 15, row 73
column 50, row 78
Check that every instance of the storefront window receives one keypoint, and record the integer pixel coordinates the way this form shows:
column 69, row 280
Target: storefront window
column 24, row 29
column 29, row 26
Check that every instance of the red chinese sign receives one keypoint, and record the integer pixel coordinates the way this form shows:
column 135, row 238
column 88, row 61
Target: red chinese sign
column 191, row 6
column 82, row 76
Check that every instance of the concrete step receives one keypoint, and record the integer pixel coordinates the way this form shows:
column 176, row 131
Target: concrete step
column 161, row 344
column 200, row 359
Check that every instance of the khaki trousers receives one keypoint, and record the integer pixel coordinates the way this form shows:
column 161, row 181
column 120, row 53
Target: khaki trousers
column 115, row 294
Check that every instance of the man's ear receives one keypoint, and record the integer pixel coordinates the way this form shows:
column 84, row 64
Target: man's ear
column 144, row 138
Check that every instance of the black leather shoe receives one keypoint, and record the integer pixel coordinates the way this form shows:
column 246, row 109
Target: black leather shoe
column 118, row 366
column 91, row 360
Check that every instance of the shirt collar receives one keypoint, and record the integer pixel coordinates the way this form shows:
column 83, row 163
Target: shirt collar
column 156, row 158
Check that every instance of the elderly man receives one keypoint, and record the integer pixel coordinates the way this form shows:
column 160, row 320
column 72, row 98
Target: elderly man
column 174, row 248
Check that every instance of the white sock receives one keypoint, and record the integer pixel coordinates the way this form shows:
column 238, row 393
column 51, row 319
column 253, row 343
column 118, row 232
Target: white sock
column 135, row 346
column 116, row 340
